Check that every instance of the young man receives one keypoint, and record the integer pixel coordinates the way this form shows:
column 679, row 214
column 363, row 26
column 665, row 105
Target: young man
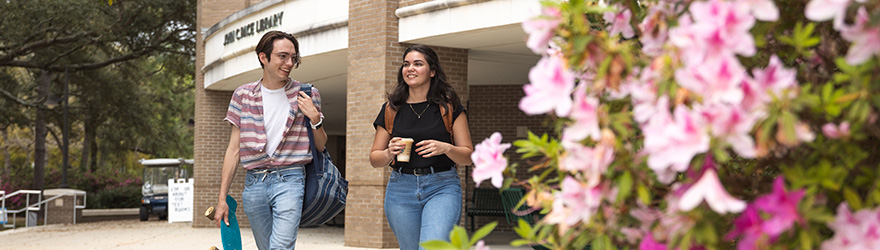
column 270, row 140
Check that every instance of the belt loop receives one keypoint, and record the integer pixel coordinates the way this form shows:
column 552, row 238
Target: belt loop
column 432, row 169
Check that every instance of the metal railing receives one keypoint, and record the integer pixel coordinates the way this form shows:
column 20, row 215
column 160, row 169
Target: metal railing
column 38, row 205
column 28, row 206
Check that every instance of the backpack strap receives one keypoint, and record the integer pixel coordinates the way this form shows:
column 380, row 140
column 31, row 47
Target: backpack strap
column 447, row 121
column 317, row 158
column 390, row 113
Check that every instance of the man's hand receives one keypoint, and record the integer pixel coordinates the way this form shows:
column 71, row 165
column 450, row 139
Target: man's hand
column 221, row 213
column 307, row 107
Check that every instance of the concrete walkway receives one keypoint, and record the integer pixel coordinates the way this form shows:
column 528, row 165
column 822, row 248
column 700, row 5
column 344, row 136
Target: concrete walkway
column 134, row 234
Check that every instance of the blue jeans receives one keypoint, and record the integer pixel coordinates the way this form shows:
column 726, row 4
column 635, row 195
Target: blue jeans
column 273, row 203
column 421, row 208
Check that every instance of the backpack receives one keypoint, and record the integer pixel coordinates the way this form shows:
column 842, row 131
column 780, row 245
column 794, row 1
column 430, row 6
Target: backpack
column 390, row 113
column 325, row 190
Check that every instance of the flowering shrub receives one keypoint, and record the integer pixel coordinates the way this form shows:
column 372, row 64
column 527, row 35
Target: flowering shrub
column 716, row 124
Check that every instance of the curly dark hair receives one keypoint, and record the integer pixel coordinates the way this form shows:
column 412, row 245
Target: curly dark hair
column 267, row 44
column 440, row 92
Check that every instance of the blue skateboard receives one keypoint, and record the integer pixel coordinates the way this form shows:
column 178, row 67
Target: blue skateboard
column 231, row 234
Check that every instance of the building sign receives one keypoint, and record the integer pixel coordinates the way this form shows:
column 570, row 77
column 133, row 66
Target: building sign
column 180, row 200
column 252, row 28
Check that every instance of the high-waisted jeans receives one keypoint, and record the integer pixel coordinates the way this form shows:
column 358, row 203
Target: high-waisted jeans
column 421, row 208
column 273, row 202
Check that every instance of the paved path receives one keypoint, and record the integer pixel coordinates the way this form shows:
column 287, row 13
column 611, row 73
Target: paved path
column 134, row 235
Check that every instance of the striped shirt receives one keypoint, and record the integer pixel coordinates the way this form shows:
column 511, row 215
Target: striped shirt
column 246, row 112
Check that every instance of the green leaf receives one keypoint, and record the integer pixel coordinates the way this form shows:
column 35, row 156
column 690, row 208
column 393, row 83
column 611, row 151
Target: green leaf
column 602, row 242
column 458, row 237
column 841, row 78
column 523, row 229
column 624, row 186
column 520, row 242
column 708, row 234
column 644, row 194
column 788, row 130
column 482, row 232
column 852, row 198
column 437, row 245
column 805, row 240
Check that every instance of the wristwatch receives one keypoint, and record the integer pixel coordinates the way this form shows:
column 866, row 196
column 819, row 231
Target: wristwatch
column 320, row 123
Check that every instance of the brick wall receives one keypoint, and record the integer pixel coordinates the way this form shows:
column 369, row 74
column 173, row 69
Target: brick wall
column 60, row 211
column 373, row 55
column 211, row 133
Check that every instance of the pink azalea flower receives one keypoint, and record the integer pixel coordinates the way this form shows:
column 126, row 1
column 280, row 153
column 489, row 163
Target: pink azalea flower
column 769, row 82
column 763, row 10
column 733, row 125
column 673, row 223
column 710, row 189
column 489, row 160
column 718, row 29
column 822, row 10
column 717, row 80
column 671, row 142
column 654, row 31
column 648, row 243
column 782, row 206
column 804, row 133
column 724, row 26
column 576, row 203
column 550, row 88
column 644, row 95
column 834, row 132
column 748, row 226
column 540, row 29
column 854, row 231
column 481, row 245
column 865, row 39
column 586, row 120
column 593, row 162
column 619, row 23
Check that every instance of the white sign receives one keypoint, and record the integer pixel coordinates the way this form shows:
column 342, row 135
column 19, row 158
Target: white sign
column 180, row 200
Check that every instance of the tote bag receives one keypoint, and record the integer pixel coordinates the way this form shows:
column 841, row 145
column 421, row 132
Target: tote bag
column 326, row 190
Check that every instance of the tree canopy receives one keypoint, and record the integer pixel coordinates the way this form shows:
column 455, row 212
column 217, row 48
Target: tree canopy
column 129, row 66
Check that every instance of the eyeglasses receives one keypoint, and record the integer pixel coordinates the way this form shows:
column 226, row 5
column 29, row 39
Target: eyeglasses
column 285, row 56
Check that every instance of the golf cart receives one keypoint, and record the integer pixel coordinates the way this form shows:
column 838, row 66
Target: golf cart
column 157, row 172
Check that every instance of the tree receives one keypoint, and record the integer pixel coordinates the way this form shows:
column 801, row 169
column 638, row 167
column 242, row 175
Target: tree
column 91, row 40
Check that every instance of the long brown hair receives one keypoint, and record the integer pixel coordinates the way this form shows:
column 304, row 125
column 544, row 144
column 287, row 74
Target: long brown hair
column 440, row 92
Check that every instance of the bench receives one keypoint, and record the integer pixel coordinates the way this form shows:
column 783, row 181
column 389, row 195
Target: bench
column 484, row 202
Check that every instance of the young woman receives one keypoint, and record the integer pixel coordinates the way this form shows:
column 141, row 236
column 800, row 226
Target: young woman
column 423, row 196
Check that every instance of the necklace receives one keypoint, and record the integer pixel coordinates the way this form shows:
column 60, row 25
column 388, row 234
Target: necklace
column 419, row 115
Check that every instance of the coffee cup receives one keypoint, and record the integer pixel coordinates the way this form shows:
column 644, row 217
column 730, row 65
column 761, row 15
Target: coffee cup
column 404, row 155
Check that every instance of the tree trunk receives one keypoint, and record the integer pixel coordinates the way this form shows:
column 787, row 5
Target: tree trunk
column 94, row 158
column 86, row 145
column 40, row 156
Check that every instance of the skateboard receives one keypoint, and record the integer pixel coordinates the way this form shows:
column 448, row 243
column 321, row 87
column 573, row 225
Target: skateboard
column 230, row 234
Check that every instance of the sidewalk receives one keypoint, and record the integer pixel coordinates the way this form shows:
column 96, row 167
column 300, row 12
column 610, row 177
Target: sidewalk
column 134, row 234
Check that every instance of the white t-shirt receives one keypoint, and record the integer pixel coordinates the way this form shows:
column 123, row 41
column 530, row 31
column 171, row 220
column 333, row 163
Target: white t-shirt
column 276, row 109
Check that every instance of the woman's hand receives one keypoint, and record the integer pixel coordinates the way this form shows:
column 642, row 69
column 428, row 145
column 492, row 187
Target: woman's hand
column 307, row 107
column 395, row 147
column 429, row 148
